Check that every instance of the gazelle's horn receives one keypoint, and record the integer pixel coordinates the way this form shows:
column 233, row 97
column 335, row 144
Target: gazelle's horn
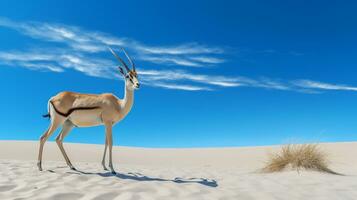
column 129, row 58
column 119, row 59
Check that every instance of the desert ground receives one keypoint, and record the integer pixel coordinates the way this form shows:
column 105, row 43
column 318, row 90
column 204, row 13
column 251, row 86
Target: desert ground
column 148, row 173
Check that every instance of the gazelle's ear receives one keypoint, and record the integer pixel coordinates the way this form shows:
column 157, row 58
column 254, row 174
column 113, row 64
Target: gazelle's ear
column 121, row 71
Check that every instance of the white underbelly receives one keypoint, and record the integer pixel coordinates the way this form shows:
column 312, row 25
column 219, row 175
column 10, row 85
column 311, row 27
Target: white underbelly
column 83, row 118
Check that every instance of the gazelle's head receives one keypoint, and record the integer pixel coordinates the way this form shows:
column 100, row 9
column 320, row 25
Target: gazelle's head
column 131, row 79
column 130, row 75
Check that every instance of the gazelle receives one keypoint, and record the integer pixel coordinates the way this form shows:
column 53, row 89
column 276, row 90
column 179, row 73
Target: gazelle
column 71, row 109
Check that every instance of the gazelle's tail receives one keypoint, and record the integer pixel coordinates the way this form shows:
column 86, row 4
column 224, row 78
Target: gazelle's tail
column 48, row 110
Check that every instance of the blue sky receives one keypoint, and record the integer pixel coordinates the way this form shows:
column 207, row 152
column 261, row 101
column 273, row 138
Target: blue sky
column 214, row 73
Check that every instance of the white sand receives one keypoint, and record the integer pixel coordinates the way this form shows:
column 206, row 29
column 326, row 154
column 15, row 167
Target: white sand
column 221, row 173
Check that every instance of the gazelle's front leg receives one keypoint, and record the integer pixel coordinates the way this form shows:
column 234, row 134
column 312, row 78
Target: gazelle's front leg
column 105, row 152
column 108, row 133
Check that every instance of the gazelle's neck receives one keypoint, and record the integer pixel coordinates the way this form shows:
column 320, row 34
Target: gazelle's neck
column 128, row 100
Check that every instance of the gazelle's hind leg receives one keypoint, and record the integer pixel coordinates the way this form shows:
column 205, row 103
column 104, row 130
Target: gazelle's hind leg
column 66, row 128
column 56, row 121
column 105, row 152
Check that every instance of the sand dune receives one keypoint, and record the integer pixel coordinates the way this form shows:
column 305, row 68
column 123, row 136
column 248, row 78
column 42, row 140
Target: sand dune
column 144, row 173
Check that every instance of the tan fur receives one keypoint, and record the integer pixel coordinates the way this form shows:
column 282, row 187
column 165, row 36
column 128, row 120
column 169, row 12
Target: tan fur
column 110, row 108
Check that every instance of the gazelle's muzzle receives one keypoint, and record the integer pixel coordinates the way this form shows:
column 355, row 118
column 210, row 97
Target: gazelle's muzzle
column 137, row 86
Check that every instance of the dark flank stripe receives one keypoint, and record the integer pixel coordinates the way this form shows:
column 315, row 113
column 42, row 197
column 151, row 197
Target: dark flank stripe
column 72, row 110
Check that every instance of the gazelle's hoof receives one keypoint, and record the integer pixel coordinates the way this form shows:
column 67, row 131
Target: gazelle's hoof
column 104, row 167
column 113, row 172
column 39, row 166
column 72, row 168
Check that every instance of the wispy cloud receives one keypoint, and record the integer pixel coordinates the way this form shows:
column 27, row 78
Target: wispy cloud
column 183, row 49
column 94, row 42
column 210, row 80
column 205, row 59
column 180, row 86
column 58, row 61
column 322, row 86
column 170, row 60
column 66, row 47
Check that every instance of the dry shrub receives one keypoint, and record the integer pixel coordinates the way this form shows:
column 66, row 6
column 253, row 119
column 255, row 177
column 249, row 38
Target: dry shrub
column 296, row 157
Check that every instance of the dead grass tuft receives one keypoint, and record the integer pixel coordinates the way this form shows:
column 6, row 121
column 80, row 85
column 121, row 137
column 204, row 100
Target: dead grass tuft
column 297, row 157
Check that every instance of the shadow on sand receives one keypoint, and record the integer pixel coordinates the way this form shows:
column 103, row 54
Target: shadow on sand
column 141, row 177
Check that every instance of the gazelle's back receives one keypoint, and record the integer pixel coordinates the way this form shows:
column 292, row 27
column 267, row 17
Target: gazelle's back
column 64, row 101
